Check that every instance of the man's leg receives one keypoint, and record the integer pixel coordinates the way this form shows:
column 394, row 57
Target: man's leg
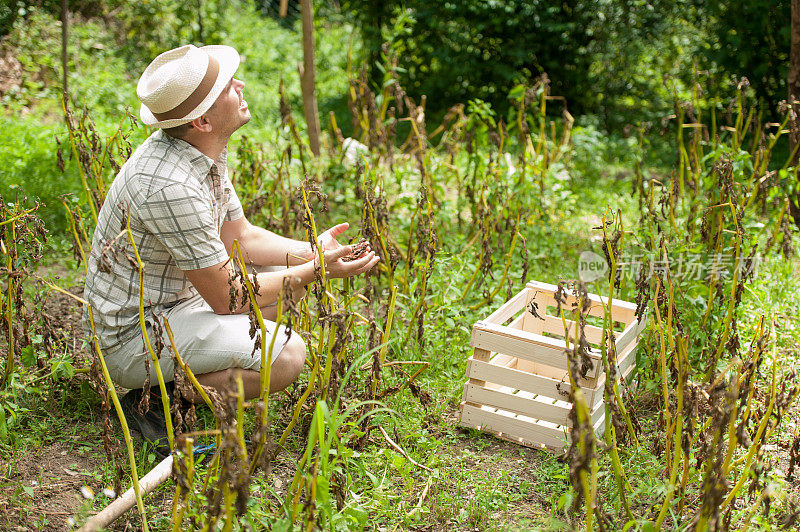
column 285, row 370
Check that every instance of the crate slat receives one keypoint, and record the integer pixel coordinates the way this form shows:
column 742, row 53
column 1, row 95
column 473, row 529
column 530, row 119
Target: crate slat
column 531, row 434
column 508, row 309
column 521, row 380
column 554, row 325
column 620, row 310
column 629, row 335
column 538, row 408
column 522, row 344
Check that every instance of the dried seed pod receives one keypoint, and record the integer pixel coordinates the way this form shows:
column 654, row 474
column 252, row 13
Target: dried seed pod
column 359, row 248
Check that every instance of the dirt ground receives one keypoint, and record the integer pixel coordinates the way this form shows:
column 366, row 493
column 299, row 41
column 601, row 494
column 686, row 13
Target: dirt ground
column 41, row 488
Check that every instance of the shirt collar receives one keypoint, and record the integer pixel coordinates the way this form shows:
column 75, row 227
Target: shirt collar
column 199, row 160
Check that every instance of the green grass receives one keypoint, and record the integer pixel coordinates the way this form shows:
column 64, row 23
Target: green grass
column 473, row 481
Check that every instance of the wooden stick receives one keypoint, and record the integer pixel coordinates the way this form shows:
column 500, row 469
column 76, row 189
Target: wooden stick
column 418, row 507
column 401, row 451
column 148, row 483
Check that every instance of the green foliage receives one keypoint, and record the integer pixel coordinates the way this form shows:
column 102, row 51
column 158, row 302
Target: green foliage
column 750, row 39
column 29, row 164
column 459, row 50
column 140, row 39
column 103, row 76
column 604, row 56
column 98, row 77
column 474, row 187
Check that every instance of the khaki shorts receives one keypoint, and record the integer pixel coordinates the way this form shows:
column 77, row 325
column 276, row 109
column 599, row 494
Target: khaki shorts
column 206, row 342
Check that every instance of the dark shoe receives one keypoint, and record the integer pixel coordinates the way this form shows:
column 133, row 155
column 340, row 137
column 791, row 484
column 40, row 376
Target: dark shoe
column 151, row 425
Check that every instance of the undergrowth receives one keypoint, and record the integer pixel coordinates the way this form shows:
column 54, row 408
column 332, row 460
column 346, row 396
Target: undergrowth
column 463, row 214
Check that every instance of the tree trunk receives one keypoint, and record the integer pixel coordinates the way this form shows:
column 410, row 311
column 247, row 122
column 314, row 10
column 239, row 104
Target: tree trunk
column 64, row 34
column 307, row 76
column 794, row 76
column 200, row 21
column 794, row 101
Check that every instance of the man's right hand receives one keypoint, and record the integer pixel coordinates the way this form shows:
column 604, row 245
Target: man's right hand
column 337, row 267
column 215, row 282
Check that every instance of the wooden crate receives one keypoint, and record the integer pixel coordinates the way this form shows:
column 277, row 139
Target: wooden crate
column 518, row 385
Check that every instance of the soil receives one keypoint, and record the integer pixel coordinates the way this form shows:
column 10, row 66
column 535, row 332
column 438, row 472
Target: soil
column 55, row 476
column 40, row 488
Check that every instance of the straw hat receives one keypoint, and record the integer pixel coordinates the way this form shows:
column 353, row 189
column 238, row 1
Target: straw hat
column 181, row 84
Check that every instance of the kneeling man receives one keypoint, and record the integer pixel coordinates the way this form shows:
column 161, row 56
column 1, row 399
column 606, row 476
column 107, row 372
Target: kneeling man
column 184, row 216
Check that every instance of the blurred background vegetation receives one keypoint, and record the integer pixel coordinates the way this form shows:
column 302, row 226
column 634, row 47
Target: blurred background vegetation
column 631, row 73
column 617, row 63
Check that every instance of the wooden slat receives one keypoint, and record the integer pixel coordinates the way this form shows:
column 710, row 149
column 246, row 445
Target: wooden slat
column 517, row 324
column 627, row 374
column 508, row 309
column 559, row 374
column 504, row 361
column 482, row 355
column 539, row 408
column 555, row 413
column 541, row 369
column 628, row 358
column 554, row 325
column 520, row 380
column 620, row 310
column 525, row 345
column 530, row 434
column 626, row 362
column 530, row 322
column 630, row 334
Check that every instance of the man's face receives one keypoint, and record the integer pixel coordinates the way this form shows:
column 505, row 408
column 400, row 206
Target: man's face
column 230, row 111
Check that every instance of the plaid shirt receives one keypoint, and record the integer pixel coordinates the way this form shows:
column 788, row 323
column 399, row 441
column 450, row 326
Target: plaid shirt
column 177, row 199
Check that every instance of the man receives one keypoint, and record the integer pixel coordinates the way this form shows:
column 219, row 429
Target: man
column 184, row 216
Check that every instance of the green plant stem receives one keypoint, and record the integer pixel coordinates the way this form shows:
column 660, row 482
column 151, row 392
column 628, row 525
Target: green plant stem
column 17, row 217
column 11, row 253
column 143, row 326
column 387, row 328
column 681, row 359
column 73, row 142
column 509, row 258
column 74, row 230
column 758, row 439
column 610, row 391
column 178, row 508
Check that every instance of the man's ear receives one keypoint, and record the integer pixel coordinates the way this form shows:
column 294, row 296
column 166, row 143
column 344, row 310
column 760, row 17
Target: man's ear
column 201, row 124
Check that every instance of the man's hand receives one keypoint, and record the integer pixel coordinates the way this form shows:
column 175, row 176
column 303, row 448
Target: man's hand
column 336, row 266
column 344, row 261
column 213, row 282
column 326, row 241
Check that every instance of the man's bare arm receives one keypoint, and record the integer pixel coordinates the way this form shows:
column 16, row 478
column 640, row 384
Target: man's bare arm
column 214, row 283
column 264, row 247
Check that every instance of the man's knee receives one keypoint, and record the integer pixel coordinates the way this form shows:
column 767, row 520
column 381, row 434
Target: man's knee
column 293, row 355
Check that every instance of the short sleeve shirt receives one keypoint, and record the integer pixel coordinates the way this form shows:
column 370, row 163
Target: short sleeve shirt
column 177, row 199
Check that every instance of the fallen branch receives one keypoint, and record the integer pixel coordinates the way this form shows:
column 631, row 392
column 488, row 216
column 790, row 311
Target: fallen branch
column 401, row 451
column 122, row 504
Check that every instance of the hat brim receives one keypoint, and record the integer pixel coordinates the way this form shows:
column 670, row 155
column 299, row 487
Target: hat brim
column 228, row 64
